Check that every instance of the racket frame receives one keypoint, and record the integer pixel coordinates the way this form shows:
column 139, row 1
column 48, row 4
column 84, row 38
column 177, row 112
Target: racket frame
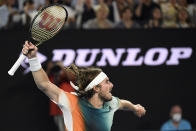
column 22, row 56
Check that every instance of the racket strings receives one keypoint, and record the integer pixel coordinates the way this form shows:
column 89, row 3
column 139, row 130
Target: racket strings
column 51, row 23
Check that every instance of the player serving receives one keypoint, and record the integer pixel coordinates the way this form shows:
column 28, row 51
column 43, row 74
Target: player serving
column 92, row 107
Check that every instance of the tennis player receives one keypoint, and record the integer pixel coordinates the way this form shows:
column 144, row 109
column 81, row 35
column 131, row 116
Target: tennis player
column 92, row 107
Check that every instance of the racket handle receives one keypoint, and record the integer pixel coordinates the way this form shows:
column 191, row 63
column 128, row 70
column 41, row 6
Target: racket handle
column 16, row 65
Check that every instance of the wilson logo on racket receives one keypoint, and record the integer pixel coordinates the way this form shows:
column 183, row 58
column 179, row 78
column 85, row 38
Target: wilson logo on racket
column 49, row 22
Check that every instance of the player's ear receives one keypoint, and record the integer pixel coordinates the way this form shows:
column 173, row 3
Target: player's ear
column 96, row 88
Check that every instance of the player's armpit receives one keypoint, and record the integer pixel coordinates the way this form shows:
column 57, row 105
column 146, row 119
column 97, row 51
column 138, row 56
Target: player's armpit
column 63, row 99
column 51, row 90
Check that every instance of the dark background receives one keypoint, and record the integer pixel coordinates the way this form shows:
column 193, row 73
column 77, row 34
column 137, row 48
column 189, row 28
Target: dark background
column 157, row 88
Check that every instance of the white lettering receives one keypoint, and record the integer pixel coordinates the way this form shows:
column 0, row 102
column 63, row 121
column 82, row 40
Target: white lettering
column 162, row 56
column 131, row 57
column 108, row 54
column 82, row 55
column 179, row 53
column 60, row 53
column 109, row 57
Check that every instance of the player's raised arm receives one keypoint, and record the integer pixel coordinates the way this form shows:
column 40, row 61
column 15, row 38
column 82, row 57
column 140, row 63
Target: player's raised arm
column 137, row 109
column 39, row 75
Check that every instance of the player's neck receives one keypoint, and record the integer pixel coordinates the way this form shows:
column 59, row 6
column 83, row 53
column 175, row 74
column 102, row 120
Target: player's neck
column 96, row 101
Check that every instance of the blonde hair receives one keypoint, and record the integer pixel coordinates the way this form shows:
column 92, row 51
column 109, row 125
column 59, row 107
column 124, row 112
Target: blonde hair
column 100, row 6
column 84, row 75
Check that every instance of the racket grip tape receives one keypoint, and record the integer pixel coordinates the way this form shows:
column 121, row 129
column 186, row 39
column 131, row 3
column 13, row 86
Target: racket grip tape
column 16, row 64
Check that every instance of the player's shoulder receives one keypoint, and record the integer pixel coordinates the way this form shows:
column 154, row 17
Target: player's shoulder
column 114, row 103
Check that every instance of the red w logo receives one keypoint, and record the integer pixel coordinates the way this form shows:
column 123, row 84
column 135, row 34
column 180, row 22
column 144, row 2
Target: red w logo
column 49, row 22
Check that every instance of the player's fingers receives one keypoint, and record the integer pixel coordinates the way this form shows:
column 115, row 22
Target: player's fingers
column 26, row 46
column 30, row 43
column 27, row 43
column 144, row 109
column 144, row 112
column 33, row 47
column 24, row 51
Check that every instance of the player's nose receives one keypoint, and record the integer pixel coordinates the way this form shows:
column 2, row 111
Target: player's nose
column 112, row 85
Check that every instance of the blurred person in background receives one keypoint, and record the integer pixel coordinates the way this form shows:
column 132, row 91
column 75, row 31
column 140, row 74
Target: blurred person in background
column 115, row 8
column 88, row 11
column 182, row 3
column 71, row 21
column 127, row 21
column 176, row 122
column 101, row 21
column 143, row 10
column 37, row 4
column 4, row 14
column 183, row 19
column 9, row 15
column 29, row 12
column 156, row 20
column 67, row 2
column 170, row 12
column 48, row 2
column 75, row 3
column 56, row 74
column 1, row 2
column 84, row 11
column 190, row 8
column 131, row 4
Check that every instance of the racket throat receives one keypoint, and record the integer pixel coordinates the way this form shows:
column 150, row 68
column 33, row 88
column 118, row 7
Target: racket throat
column 38, row 43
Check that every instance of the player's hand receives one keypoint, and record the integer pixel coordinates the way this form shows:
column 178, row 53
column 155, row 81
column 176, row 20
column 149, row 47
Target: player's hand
column 139, row 110
column 29, row 49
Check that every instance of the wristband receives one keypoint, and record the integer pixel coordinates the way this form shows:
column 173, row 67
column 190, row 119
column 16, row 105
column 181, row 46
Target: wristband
column 34, row 64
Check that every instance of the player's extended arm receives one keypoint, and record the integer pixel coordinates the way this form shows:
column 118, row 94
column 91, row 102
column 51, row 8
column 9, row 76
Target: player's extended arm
column 39, row 75
column 137, row 109
column 43, row 83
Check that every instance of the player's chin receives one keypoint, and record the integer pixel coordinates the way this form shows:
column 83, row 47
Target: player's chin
column 109, row 96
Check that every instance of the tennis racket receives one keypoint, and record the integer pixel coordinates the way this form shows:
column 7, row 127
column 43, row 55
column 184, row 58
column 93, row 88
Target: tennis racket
column 45, row 25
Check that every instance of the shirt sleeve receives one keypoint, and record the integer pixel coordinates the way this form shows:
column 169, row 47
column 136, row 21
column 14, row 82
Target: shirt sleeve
column 114, row 103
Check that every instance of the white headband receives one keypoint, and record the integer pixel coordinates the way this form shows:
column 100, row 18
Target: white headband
column 97, row 80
